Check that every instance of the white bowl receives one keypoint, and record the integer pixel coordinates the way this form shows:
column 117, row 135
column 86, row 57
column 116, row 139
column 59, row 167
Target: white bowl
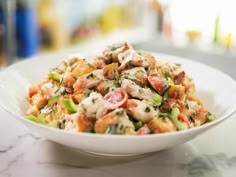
column 215, row 88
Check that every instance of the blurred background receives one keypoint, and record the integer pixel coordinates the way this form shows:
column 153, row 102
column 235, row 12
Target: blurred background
column 192, row 28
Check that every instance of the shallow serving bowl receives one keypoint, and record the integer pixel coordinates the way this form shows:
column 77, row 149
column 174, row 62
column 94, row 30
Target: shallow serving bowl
column 216, row 89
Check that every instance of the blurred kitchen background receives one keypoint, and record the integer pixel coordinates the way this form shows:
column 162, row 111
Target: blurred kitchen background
column 204, row 29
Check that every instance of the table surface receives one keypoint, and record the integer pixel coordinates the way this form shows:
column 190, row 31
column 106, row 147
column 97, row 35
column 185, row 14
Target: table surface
column 26, row 154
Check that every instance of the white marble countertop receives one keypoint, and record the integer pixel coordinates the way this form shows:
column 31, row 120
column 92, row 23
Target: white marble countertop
column 26, row 154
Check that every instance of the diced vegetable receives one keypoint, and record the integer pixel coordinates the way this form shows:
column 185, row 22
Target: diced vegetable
column 210, row 117
column 174, row 118
column 54, row 76
column 38, row 119
column 157, row 99
column 53, row 100
column 157, row 83
column 86, row 93
column 70, row 105
column 138, row 125
column 170, row 81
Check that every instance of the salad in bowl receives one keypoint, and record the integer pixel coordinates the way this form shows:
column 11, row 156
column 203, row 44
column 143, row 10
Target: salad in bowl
column 119, row 102
column 122, row 91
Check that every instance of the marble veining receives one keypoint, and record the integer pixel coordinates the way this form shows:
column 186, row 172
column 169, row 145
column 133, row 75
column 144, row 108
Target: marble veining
column 216, row 165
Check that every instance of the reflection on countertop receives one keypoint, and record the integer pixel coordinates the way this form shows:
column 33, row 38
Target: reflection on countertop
column 24, row 153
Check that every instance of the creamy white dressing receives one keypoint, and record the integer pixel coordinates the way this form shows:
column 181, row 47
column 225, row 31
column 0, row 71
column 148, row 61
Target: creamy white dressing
column 135, row 90
column 48, row 89
column 140, row 111
column 90, row 105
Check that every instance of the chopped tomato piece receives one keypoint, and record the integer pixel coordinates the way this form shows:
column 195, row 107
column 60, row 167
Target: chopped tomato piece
column 157, row 83
column 184, row 118
column 117, row 98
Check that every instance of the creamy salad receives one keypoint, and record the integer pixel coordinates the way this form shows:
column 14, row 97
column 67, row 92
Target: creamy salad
column 123, row 91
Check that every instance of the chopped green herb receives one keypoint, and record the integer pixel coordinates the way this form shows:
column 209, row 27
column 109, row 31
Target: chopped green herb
column 61, row 124
column 64, row 92
column 90, row 129
column 94, row 100
column 86, row 93
column 165, row 96
column 116, row 83
column 138, row 125
column 140, row 90
column 191, row 119
column 130, row 64
column 59, row 87
column 107, row 90
column 147, row 109
column 91, row 65
column 110, row 58
column 120, row 126
column 186, row 105
column 120, row 113
column 162, row 114
column 91, row 75
column 116, row 74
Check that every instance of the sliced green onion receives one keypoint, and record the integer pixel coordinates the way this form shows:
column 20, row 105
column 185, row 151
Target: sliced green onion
column 210, row 117
column 138, row 125
column 70, row 105
column 157, row 99
column 170, row 81
column 86, row 93
column 54, row 76
column 174, row 118
column 38, row 119
column 53, row 100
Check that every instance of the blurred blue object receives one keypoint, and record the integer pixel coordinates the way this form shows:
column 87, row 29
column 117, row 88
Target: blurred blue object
column 27, row 33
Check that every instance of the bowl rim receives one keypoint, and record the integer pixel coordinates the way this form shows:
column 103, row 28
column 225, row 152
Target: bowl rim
column 125, row 137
